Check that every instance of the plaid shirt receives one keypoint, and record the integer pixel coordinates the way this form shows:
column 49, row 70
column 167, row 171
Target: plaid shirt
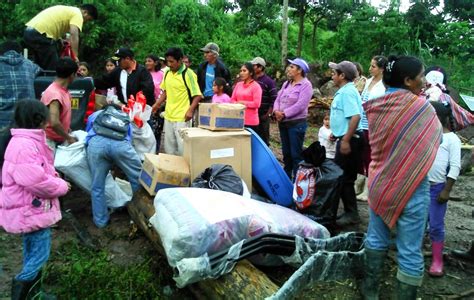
column 17, row 76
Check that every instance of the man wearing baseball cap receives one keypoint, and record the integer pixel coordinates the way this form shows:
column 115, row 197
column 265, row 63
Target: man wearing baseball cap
column 346, row 111
column 211, row 68
column 269, row 94
column 129, row 79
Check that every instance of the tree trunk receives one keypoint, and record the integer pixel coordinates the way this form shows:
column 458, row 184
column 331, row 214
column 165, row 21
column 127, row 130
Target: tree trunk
column 313, row 36
column 244, row 282
column 302, row 13
column 284, row 34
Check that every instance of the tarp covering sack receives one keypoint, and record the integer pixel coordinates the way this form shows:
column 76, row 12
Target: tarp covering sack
column 194, row 223
column 317, row 190
column 71, row 160
column 223, row 178
column 338, row 258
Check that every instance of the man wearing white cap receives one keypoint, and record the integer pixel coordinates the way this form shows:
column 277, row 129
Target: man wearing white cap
column 211, row 68
column 269, row 94
column 346, row 111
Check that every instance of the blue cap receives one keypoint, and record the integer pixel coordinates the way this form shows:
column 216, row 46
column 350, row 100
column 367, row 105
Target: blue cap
column 300, row 63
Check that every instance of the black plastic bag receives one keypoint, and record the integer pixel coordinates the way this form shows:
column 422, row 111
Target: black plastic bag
column 219, row 177
column 315, row 154
column 327, row 192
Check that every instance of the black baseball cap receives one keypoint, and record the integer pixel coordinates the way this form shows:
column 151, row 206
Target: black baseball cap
column 122, row 53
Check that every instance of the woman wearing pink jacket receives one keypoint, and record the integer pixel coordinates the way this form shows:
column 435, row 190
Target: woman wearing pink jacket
column 29, row 202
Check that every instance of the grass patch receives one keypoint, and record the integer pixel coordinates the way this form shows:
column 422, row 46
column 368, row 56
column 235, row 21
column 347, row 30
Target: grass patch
column 75, row 272
column 311, row 135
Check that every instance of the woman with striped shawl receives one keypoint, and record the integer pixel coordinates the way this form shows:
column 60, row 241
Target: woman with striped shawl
column 404, row 135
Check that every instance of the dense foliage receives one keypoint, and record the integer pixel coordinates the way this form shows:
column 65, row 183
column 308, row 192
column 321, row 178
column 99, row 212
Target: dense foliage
column 321, row 30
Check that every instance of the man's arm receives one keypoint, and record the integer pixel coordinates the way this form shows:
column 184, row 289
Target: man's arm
column 346, row 139
column 158, row 103
column 192, row 107
column 74, row 39
column 54, row 112
column 109, row 80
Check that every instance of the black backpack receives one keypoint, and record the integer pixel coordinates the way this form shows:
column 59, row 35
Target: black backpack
column 183, row 74
column 112, row 123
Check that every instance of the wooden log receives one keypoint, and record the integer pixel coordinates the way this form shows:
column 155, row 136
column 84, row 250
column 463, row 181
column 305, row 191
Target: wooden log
column 244, row 282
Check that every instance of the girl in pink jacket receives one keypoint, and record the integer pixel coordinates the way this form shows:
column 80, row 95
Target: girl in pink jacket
column 29, row 202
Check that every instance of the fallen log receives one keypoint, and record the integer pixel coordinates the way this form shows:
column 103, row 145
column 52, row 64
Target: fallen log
column 244, row 282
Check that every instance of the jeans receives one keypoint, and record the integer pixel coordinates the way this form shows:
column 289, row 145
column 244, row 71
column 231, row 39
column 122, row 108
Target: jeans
column 437, row 213
column 102, row 154
column 292, row 138
column 173, row 141
column 410, row 230
column 350, row 164
column 44, row 49
column 36, row 249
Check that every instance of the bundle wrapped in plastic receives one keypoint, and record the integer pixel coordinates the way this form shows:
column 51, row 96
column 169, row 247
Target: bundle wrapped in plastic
column 143, row 139
column 196, row 223
column 72, row 161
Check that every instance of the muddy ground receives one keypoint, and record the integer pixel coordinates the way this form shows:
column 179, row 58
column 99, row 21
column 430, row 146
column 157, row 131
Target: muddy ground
column 128, row 253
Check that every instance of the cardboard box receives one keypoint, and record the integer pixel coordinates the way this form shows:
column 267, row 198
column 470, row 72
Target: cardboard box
column 163, row 171
column 202, row 148
column 217, row 116
column 100, row 101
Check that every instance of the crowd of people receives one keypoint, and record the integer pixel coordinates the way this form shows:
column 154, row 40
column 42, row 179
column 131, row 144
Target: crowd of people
column 369, row 130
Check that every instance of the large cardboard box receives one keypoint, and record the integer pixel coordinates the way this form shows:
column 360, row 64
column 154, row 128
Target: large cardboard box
column 163, row 171
column 202, row 148
column 217, row 116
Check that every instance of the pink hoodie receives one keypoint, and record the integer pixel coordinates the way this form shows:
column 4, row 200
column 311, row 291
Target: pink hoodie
column 28, row 174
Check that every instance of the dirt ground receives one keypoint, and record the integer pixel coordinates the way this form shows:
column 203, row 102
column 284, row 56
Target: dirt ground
column 127, row 249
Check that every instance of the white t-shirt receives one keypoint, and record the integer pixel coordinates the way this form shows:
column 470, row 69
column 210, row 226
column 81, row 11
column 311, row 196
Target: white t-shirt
column 448, row 159
column 323, row 137
column 123, row 84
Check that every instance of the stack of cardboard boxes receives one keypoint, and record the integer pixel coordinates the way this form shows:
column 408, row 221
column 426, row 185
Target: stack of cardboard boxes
column 220, row 139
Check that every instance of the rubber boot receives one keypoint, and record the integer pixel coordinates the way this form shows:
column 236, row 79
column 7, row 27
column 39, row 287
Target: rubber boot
column 36, row 290
column 436, row 269
column 405, row 291
column 370, row 285
column 20, row 289
column 465, row 255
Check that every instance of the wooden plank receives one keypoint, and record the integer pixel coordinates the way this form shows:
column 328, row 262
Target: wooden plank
column 244, row 282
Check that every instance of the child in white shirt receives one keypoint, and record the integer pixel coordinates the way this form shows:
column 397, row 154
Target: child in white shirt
column 324, row 138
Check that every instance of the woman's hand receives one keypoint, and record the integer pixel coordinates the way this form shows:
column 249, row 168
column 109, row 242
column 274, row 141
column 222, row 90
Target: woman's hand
column 279, row 115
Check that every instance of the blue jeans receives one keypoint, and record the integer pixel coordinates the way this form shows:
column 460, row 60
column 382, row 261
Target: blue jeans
column 437, row 213
column 36, row 249
column 410, row 230
column 102, row 154
column 292, row 138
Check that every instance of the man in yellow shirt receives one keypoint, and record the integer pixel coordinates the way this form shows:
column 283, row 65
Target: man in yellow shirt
column 182, row 95
column 52, row 24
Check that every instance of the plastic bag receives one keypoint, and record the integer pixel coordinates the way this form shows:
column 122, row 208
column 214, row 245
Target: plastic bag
column 326, row 193
column 219, row 177
column 71, row 160
column 193, row 221
column 143, row 140
column 315, row 154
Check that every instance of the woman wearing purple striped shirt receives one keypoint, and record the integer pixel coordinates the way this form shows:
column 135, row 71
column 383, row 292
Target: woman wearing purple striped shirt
column 290, row 111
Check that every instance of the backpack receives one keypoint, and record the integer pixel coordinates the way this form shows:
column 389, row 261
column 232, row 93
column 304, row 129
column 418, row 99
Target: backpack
column 112, row 123
column 185, row 84
column 305, row 185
